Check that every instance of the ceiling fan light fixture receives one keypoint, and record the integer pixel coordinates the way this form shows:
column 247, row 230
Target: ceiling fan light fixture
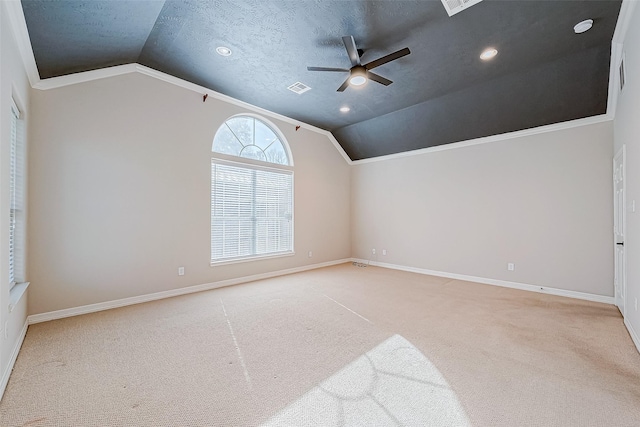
column 488, row 53
column 358, row 76
column 359, row 73
column 358, row 80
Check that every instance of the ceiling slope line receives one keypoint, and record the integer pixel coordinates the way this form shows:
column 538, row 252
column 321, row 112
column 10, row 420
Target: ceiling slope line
column 492, row 138
column 624, row 20
column 20, row 33
column 155, row 22
column 617, row 52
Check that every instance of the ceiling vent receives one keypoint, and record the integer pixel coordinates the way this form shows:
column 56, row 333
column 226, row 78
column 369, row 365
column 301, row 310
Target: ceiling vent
column 455, row 6
column 299, row 88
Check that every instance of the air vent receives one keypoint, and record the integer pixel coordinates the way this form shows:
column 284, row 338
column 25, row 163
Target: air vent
column 622, row 73
column 455, row 6
column 299, row 88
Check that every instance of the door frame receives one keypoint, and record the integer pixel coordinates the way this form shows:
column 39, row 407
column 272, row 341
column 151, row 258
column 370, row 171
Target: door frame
column 621, row 152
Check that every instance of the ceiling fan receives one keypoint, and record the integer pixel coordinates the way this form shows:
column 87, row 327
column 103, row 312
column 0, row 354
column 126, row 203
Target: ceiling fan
column 360, row 73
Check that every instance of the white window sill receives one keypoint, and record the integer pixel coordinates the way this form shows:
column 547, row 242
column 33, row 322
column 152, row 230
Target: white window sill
column 16, row 293
column 251, row 258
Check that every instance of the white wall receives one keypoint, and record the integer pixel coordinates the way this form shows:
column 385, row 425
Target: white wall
column 627, row 132
column 543, row 202
column 120, row 193
column 13, row 83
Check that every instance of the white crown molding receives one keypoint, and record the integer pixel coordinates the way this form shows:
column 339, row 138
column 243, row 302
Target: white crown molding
column 101, row 306
column 493, row 138
column 503, row 283
column 336, row 144
column 71, row 79
column 200, row 89
column 12, row 359
column 16, row 16
column 85, row 76
column 19, row 27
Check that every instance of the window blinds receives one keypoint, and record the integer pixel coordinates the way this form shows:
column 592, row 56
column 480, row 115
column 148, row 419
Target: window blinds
column 251, row 211
column 16, row 201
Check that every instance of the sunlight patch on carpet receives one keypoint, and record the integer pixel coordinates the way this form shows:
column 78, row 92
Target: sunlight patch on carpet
column 393, row 384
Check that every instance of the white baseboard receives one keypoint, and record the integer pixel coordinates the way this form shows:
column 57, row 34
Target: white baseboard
column 12, row 360
column 634, row 335
column 495, row 282
column 91, row 308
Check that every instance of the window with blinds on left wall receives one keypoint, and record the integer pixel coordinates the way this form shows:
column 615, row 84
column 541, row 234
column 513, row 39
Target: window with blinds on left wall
column 16, row 198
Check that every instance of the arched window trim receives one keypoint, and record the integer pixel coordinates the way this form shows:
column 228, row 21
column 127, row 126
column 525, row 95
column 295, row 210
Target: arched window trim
column 272, row 126
column 221, row 160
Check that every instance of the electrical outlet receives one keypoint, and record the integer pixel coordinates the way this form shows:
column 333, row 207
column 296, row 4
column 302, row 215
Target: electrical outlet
column 373, row 251
column 180, row 271
column 384, row 252
column 511, row 266
column 636, row 303
column 310, row 254
column 6, row 330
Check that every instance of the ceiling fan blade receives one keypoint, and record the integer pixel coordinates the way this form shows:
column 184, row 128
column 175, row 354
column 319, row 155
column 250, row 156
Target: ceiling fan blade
column 327, row 69
column 377, row 78
column 387, row 58
column 350, row 44
column 344, row 85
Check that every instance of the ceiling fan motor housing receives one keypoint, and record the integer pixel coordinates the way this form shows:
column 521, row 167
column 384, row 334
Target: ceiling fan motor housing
column 358, row 75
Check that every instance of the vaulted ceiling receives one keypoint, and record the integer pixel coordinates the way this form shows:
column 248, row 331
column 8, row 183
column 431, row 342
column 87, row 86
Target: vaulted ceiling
column 442, row 92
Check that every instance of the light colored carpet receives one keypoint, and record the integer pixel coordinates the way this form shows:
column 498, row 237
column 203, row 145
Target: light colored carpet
column 337, row 346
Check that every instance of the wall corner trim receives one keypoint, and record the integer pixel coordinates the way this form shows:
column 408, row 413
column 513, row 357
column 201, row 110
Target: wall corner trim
column 503, row 283
column 101, row 306
column 12, row 360
column 634, row 336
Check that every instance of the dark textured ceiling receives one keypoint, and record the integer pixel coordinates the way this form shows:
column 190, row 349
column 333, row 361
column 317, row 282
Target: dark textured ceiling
column 442, row 93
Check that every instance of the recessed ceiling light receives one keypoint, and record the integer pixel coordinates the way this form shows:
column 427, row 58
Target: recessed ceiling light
column 488, row 53
column 224, row 51
column 345, row 109
column 583, row 26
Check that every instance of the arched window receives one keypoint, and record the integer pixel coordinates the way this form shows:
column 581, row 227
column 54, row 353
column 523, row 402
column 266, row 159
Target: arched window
column 251, row 191
column 250, row 138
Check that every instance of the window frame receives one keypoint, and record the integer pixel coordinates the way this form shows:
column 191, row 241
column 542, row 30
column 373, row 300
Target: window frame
column 17, row 209
column 271, row 126
column 253, row 164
